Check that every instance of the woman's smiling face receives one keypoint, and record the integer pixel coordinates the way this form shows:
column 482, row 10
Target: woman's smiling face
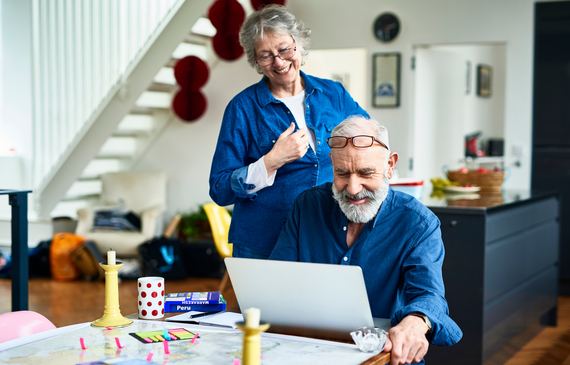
column 281, row 74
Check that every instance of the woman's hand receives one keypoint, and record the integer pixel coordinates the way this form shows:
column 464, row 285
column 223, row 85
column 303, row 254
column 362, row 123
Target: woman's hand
column 289, row 147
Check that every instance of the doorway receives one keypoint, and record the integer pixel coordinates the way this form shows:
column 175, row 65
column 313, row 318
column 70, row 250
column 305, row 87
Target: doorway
column 447, row 107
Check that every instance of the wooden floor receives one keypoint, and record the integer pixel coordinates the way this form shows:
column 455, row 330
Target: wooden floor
column 66, row 303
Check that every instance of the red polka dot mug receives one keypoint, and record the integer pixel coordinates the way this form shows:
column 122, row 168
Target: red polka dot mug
column 151, row 297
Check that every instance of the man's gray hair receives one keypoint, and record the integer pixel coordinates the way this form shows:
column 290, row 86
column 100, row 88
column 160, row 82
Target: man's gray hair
column 272, row 19
column 358, row 124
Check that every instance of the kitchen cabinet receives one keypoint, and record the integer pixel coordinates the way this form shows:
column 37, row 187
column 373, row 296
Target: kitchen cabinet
column 551, row 113
column 500, row 270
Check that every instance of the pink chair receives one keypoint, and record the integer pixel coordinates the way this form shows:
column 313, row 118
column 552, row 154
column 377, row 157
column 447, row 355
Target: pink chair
column 22, row 323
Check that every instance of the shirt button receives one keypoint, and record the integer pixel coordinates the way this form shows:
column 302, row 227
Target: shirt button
column 316, row 165
column 217, row 185
column 319, row 142
column 345, row 258
column 344, row 228
column 273, row 141
column 307, row 106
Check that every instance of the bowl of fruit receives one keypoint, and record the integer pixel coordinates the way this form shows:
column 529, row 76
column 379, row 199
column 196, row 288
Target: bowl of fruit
column 484, row 178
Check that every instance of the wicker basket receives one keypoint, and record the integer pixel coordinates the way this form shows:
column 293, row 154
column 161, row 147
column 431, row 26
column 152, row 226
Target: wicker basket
column 491, row 181
column 486, row 200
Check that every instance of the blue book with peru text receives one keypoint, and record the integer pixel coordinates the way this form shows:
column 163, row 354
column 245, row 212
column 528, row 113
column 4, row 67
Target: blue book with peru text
column 195, row 301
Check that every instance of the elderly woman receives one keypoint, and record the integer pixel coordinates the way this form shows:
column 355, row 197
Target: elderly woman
column 272, row 142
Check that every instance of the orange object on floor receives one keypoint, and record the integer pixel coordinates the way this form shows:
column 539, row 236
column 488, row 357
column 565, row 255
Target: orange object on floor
column 61, row 264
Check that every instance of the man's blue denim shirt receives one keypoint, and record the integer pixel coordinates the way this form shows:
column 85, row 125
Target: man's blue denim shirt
column 400, row 253
column 252, row 123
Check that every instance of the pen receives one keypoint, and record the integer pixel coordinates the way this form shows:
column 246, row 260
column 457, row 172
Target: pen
column 203, row 314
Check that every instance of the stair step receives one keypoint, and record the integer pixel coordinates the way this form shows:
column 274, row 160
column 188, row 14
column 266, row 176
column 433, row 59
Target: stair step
column 197, row 39
column 154, row 99
column 136, row 124
column 204, row 27
column 68, row 208
column 168, row 88
column 118, row 146
column 165, row 76
column 84, row 187
column 100, row 166
column 81, row 197
column 188, row 49
column 139, row 109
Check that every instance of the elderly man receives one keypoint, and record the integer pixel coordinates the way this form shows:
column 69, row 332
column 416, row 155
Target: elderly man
column 360, row 220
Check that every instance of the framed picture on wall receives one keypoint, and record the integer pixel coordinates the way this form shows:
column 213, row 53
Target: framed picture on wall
column 484, row 80
column 386, row 80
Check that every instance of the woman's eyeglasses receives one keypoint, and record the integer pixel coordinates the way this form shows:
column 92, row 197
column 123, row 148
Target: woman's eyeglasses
column 285, row 54
column 357, row 141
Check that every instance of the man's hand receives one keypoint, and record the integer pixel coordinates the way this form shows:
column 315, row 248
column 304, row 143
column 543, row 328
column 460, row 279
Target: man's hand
column 288, row 147
column 407, row 341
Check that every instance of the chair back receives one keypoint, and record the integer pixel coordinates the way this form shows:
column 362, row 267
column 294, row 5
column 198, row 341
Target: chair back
column 220, row 220
column 137, row 190
column 18, row 324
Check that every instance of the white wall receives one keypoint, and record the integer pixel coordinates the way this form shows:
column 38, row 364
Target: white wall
column 16, row 100
column 444, row 112
column 16, row 112
column 345, row 65
column 342, row 24
column 185, row 151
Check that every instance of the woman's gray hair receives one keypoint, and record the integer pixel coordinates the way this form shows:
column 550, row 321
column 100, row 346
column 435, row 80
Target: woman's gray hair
column 358, row 124
column 272, row 19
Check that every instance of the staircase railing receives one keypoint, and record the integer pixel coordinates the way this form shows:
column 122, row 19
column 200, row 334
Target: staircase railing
column 83, row 50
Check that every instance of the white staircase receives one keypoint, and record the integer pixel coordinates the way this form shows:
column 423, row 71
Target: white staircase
column 145, row 122
column 130, row 117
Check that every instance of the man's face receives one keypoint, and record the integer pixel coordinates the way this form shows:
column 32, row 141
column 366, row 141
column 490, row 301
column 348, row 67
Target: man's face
column 361, row 179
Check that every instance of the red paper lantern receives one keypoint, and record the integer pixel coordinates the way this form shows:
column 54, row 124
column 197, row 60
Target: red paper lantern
column 227, row 46
column 189, row 105
column 258, row 4
column 226, row 16
column 191, row 73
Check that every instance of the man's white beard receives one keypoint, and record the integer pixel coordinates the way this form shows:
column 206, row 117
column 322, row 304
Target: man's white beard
column 362, row 213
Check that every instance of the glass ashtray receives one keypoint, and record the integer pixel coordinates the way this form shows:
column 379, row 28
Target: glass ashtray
column 369, row 339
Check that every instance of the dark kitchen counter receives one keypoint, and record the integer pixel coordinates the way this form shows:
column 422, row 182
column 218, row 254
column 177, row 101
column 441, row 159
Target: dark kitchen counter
column 479, row 202
column 500, row 269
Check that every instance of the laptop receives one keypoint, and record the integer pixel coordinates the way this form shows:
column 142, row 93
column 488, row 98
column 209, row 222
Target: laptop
column 299, row 298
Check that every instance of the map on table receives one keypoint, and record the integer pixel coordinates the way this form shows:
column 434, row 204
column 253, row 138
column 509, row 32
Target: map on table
column 212, row 347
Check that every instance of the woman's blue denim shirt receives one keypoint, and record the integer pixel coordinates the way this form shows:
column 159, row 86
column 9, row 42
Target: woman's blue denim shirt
column 252, row 123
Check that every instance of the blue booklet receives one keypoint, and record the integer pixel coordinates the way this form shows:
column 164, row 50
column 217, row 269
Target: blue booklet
column 204, row 297
column 173, row 307
column 195, row 301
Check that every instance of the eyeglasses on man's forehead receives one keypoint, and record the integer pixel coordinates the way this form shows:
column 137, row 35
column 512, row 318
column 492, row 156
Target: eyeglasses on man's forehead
column 361, row 141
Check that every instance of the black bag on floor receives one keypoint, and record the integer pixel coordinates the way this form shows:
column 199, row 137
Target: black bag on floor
column 87, row 258
column 38, row 260
column 162, row 257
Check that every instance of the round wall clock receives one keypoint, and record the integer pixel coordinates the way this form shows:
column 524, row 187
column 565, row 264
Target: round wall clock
column 386, row 27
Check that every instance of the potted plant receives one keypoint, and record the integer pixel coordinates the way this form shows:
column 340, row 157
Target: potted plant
column 194, row 224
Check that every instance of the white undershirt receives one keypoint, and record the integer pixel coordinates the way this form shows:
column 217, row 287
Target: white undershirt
column 256, row 172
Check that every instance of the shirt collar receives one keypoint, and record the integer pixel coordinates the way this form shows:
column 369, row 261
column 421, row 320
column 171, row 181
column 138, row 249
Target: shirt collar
column 384, row 208
column 265, row 97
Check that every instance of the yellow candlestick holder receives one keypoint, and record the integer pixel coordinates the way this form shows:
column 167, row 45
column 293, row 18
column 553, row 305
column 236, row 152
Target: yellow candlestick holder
column 112, row 315
column 251, row 351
